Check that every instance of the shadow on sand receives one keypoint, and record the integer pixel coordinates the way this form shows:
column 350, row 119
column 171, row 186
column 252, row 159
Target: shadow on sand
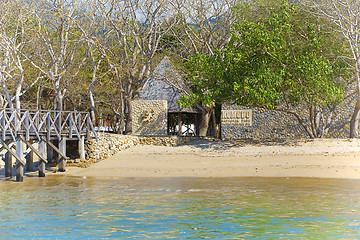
column 218, row 144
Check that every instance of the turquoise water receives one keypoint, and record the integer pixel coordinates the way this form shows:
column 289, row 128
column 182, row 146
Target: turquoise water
column 256, row 208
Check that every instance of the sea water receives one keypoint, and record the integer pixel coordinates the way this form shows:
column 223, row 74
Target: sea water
column 58, row 207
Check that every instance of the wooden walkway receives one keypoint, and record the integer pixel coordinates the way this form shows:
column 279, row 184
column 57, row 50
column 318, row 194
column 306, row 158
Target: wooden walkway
column 40, row 128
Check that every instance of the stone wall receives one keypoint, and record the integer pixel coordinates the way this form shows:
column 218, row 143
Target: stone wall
column 149, row 117
column 274, row 124
column 265, row 124
column 109, row 144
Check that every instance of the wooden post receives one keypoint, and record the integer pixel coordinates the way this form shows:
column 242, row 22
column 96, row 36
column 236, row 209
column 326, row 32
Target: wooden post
column 50, row 153
column 88, row 119
column 82, row 147
column 8, row 165
column 59, row 122
column 180, row 124
column 19, row 166
column 30, row 159
column 41, row 165
column 61, row 160
column 27, row 125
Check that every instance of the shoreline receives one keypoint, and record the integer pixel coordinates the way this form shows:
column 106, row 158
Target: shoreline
column 210, row 158
column 251, row 166
column 320, row 158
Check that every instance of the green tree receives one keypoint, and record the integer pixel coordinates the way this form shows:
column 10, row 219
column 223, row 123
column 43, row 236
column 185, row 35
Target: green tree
column 204, row 26
column 274, row 62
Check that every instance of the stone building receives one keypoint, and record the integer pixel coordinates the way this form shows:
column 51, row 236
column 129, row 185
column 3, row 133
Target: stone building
column 156, row 110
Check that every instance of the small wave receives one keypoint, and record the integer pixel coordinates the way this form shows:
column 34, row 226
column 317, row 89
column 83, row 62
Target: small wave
column 194, row 190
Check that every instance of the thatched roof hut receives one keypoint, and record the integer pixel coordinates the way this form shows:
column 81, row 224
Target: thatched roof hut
column 166, row 84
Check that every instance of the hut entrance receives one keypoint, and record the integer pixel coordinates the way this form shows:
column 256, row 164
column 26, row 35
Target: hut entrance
column 184, row 124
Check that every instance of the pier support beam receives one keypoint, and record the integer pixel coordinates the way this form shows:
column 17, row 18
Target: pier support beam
column 19, row 165
column 61, row 160
column 8, row 165
column 82, row 147
column 41, row 164
column 50, row 153
column 30, row 159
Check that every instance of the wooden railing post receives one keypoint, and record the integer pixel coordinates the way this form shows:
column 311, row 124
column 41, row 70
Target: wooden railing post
column 15, row 121
column 88, row 119
column 48, row 124
column 27, row 125
column 37, row 119
column 70, row 125
column 60, row 122
column 3, row 124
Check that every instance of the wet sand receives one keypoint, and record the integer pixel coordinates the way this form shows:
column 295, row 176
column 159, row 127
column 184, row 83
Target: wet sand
column 320, row 158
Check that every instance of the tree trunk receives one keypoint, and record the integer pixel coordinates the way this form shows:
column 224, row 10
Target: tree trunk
column 312, row 119
column 92, row 111
column 59, row 102
column 204, row 125
column 128, row 126
column 17, row 97
column 121, row 125
column 327, row 120
column 354, row 122
column 214, row 123
column 38, row 96
column 8, row 98
column 2, row 101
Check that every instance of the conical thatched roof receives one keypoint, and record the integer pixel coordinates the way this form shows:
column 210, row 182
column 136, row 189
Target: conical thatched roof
column 166, row 84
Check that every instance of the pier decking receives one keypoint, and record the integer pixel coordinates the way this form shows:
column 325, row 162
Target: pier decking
column 41, row 128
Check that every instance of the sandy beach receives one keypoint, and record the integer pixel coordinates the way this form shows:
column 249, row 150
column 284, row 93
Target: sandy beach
column 319, row 158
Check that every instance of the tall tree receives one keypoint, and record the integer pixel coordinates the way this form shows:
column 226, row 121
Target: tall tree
column 57, row 42
column 345, row 14
column 204, row 28
column 15, row 26
column 133, row 32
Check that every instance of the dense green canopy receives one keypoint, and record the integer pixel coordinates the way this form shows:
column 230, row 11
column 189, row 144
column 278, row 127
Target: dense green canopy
column 276, row 62
column 267, row 63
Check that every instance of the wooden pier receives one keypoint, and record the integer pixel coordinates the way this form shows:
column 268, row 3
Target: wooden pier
column 30, row 128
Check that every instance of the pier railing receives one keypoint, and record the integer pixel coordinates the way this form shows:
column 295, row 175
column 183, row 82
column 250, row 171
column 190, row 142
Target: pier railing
column 19, row 127
column 34, row 124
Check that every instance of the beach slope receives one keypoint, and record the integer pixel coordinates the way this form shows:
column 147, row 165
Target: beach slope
column 322, row 158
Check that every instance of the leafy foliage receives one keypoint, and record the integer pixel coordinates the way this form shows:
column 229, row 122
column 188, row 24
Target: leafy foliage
column 267, row 63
